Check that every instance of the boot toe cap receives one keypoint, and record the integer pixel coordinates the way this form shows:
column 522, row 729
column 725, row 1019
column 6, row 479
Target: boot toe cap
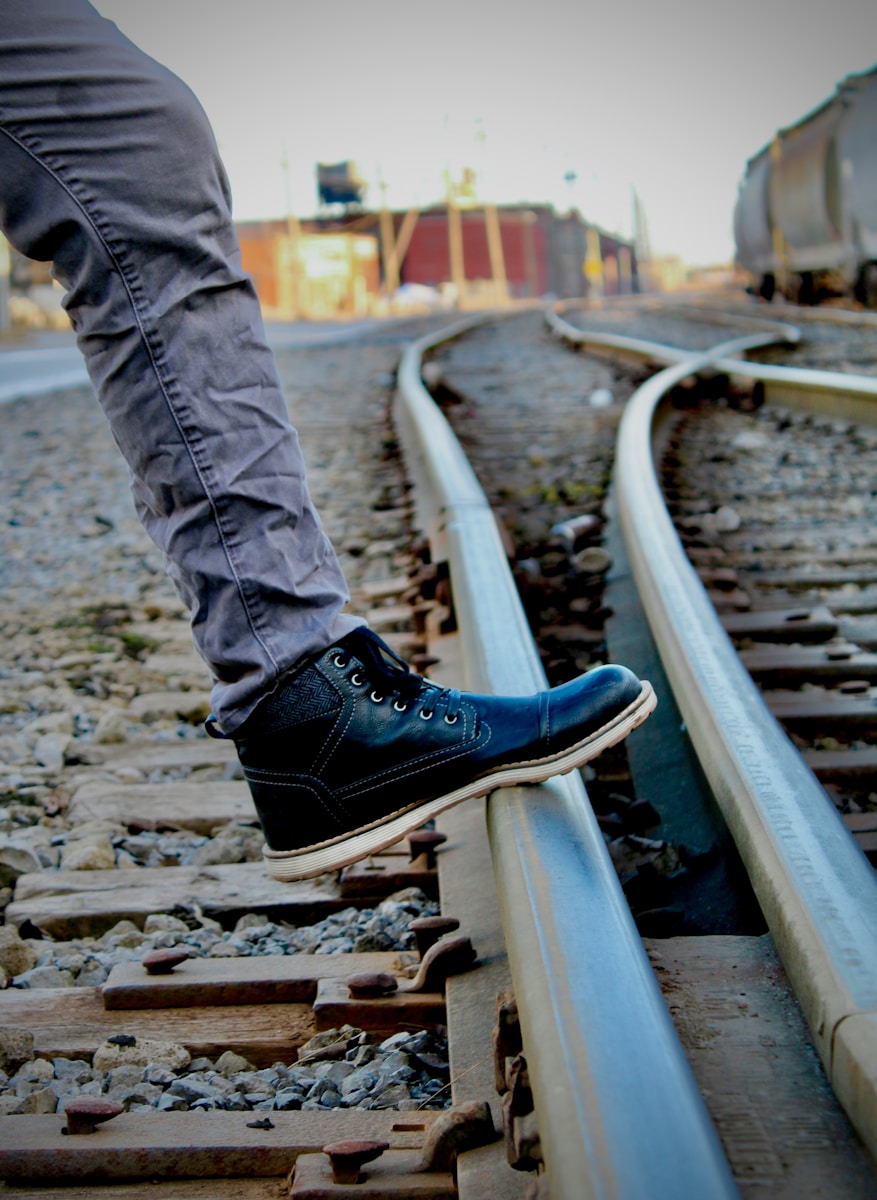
column 593, row 699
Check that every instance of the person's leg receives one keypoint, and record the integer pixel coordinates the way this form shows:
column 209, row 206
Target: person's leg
column 109, row 169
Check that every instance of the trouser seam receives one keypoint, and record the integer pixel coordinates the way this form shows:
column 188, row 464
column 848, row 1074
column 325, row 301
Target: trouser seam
column 156, row 360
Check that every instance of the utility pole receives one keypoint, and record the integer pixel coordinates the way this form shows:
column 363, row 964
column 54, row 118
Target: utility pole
column 289, row 283
column 641, row 244
column 493, row 230
column 406, row 233
column 455, row 244
column 625, row 273
column 570, row 178
column 388, row 243
column 593, row 265
column 497, row 258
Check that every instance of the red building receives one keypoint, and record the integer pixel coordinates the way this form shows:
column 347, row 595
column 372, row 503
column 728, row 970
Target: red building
column 537, row 251
column 524, row 249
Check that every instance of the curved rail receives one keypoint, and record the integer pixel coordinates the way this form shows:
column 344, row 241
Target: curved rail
column 642, row 349
column 816, row 889
column 832, row 393
column 619, row 1112
column 821, row 314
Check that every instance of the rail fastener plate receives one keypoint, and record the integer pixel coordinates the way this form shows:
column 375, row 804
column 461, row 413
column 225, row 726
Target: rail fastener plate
column 190, row 1144
column 257, row 979
column 334, row 1006
column 395, row 1174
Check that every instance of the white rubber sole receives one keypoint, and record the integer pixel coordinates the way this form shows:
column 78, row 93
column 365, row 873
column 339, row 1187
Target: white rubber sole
column 305, row 863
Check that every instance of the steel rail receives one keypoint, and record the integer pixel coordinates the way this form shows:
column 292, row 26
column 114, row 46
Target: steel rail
column 618, row 1110
column 817, row 315
column 645, row 350
column 817, row 890
column 831, row 393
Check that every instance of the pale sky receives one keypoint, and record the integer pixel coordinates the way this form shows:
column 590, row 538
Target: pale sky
column 669, row 97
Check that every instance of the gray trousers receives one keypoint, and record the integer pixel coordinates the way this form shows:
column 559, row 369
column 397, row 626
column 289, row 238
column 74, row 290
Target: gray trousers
column 109, row 169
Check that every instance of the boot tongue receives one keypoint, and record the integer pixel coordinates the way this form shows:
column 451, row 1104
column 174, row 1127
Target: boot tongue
column 380, row 661
column 390, row 672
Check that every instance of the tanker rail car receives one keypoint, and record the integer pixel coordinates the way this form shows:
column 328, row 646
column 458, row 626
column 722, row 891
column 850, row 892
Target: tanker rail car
column 805, row 222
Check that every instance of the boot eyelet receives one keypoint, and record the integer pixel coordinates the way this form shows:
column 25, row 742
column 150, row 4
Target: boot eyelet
column 450, row 720
column 426, row 716
column 339, row 661
column 356, row 679
column 400, row 707
column 376, row 697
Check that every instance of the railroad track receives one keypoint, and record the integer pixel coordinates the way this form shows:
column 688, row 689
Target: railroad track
column 773, row 508
column 834, row 863
column 617, row 1110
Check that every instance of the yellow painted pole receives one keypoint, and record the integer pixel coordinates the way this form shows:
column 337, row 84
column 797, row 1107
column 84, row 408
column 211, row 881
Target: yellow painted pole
column 455, row 249
column 593, row 265
column 497, row 258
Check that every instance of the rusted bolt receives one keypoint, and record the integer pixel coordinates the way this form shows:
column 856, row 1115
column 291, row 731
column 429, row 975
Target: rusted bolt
column 122, row 1039
column 85, row 1113
column 519, row 1090
column 838, row 653
column 425, row 841
column 428, row 930
column 506, row 1037
column 371, row 984
column 854, row 687
column 348, row 1157
column 449, row 956
column 465, row 1127
column 162, row 962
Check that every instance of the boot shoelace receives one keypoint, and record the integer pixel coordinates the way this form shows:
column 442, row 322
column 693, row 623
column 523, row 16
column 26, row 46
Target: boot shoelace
column 391, row 677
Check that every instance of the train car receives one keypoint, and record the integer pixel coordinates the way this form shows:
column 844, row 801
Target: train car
column 805, row 222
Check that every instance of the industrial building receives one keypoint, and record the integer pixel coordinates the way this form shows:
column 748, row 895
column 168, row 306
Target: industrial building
column 356, row 262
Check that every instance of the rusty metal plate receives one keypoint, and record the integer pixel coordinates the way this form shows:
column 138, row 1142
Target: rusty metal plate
column 825, row 710
column 184, row 1144
column 729, row 602
column 382, row 874
column 394, row 1174
column 334, row 1006
column 719, row 578
column 782, row 625
column 773, row 666
column 154, row 1189
column 260, row 979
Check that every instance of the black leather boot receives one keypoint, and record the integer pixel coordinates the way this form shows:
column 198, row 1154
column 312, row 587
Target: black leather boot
column 352, row 751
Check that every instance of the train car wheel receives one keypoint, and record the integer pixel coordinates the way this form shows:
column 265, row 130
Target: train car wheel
column 767, row 287
column 806, row 288
column 866, row 288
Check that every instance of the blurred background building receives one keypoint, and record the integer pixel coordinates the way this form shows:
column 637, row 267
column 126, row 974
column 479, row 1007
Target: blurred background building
column 357, row 261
